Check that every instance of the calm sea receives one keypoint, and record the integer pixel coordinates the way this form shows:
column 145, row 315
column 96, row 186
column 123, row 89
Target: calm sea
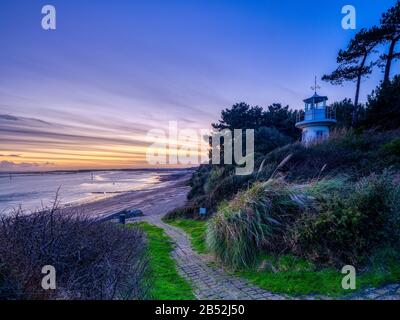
column 37, row 190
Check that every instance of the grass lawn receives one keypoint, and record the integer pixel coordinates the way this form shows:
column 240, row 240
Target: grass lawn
column 195, row 229
column 164, row 281
column 294, row 276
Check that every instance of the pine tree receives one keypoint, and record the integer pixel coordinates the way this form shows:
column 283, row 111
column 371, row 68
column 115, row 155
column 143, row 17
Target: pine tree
column 390, row 25
column 353, row 64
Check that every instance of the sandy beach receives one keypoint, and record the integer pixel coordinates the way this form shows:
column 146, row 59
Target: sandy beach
column 155, row 201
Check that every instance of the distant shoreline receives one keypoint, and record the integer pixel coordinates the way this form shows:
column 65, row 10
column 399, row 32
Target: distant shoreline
column 96, row 170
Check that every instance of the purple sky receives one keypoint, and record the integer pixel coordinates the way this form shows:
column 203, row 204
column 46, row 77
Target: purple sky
column 85, row 94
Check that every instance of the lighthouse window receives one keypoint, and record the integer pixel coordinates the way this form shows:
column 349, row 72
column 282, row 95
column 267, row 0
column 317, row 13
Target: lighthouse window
column 320, row 134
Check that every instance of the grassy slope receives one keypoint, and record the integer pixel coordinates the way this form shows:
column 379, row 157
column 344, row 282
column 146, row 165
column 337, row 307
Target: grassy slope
column 164, row 280
column 290, row 275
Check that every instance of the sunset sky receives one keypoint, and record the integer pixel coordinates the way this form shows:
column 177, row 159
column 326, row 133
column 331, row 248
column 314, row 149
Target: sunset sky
column 85, row 95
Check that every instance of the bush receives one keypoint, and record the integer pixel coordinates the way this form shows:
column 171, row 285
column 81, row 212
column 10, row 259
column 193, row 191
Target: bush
column 345, row 152
column 227, row 188
column 190, row 210
column 331, row 222
column 383, row 107
column 198, row 180
column 222, row 184
column 268, row 139
column 92, row 260
column 392, row 148
column 255, row 219
column 350, row 224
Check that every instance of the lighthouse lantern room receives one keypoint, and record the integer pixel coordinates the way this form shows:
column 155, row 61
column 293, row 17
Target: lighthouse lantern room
column 316, row 119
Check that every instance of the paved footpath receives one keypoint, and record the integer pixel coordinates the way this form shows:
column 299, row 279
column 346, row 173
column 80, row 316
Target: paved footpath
column 209, row 282
column 213, row 283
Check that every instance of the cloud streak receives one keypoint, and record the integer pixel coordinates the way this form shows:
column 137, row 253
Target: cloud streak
column 34, row 144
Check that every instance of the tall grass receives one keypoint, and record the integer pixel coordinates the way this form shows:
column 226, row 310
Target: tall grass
column 351, row 222
column 253, row 220
column 331, row 222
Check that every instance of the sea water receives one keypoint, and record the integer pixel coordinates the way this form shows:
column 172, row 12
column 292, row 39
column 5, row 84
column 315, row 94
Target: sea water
column 34, row 191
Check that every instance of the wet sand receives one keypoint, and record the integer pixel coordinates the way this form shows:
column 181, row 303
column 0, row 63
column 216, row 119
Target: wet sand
column 156, row 201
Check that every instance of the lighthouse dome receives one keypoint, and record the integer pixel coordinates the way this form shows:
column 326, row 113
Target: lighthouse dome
column 316, row 99
column 316, row 118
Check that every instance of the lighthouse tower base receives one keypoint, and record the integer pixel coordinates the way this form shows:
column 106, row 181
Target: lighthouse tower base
column 314, row 133
column 316, row 119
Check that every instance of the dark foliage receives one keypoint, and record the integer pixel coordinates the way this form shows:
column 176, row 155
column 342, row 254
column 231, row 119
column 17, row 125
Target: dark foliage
column 344, row 113
column 244, row 116
column 350, row 153
column 353, row 64
column 390, row 25
column 383, row 107
column 349, row 226
column 254, row 221
column 92, row 260
column 331, row 222
column 346, row 152
column 268, row 139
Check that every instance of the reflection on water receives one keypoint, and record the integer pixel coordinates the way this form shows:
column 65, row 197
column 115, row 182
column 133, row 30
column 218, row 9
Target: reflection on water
column 35, row 191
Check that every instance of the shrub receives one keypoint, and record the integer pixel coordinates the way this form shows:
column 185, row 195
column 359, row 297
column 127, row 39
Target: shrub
column 227, row 188
column 268, row 139
column 92, row 260
column 190, row 210
column 383, row 107
column 349, row 224
column 254, row 220
column 223, row 185
column 392, row 147
column 345, row 152
column 331, row 222
column 198, row 180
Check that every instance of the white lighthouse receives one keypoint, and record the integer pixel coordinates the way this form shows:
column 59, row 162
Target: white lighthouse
column 316, row 119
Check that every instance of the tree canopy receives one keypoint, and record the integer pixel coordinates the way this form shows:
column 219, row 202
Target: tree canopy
column 243, row 116
column 353, row 64
column 390, row 25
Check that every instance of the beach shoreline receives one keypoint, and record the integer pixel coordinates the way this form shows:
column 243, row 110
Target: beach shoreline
column 169, row 194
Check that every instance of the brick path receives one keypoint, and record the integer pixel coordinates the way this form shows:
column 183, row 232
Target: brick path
column 209, row 282
column 212, row 283
column 388, row 292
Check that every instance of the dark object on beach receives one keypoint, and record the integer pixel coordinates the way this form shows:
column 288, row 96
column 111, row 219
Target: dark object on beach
column 131, row 213
column 128, row 213
column 122, row 218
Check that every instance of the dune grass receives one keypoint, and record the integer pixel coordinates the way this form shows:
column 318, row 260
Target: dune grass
column 196, row 229
column 163, row 279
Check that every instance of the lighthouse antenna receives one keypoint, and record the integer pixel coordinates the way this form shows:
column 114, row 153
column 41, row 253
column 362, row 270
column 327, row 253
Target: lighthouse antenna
column 315, row 87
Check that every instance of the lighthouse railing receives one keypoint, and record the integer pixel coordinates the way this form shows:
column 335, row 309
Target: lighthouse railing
column 316, row 114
